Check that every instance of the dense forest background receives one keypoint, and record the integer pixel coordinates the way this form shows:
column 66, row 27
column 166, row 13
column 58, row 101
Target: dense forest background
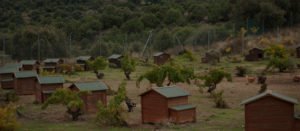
column 68, row 28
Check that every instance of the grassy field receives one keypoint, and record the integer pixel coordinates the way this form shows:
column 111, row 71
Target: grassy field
column 208, row 117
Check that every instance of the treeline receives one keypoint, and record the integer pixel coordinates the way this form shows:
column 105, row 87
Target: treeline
column 125, row 25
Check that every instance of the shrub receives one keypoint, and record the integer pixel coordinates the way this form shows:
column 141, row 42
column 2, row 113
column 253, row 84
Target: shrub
column 263, row 88
column 78, row 68
column 189, row 55
column 70, row 99
column 46, row 73
column 8, row 118
column 282, row 64
column 64, row 68
column 218, row 98
column 99, row 63
column 112, row 113
column 241, row 71
column 11, row 96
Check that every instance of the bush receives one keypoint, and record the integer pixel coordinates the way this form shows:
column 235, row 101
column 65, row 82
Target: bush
column 263, row 88
column 218, row 98
column 46, row 73
column 8, row 118
column 65, row 68
column 241, row 71
column 189, row 55
column 11, row 96
column 112, row 113
column 282, row 64
column 78, row 68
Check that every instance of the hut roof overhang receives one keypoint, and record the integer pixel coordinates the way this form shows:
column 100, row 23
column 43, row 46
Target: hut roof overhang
column 91, row 86
column 169, row 91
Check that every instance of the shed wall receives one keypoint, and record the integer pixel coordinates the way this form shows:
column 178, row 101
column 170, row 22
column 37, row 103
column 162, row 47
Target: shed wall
column 91, row 100
column 162, row 59
column 269, row 114
column 25, row 86
column 188, row 115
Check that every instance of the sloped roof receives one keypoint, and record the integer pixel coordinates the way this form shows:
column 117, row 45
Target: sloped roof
column 28, row 62
column 84, row 58
column 25, row 74
column 158, row 54
column 182, row 107
column 51, row 60
column 271, row 93
column 91, row 86
column 15, row 65
column 169, row 91
column 50, row 79
column 115, row 56
column 5, row 70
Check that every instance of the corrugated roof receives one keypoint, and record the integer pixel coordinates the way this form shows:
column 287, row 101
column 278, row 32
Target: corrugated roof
column 7, row 79
column 91, row 86
column 182, row 107
column 28, row 62
column 13, row 65
column 50, row 79
column 158, row 54
column 25, row 74
column 171, row 91
column 270, row 93
column 115, row 56
column 84, row 58
column 48, row 91
column 51, row 60
column 5, row 70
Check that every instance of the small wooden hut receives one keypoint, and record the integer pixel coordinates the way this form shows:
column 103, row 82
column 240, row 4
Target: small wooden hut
column 161, row 58
column 51, row 64
column 81, row 60
column 255, row 54
column 46, row 85
column 160, row 105
column 24, row 82
column 115, row 60
column 298, row 52
column 271, row 111
column 98, row 93
column 7, row 75
column 211, row 56
column 29, row 65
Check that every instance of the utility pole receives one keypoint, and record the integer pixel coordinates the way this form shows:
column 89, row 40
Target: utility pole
column 3, row 46
column 39, row 48
column 147, row 42
column 71, row 44
column 208, row 40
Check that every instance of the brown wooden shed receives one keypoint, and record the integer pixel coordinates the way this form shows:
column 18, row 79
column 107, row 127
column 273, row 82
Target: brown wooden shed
column 24, row 82
column 81, row 60
column 160, row 105
column 29, row 65
column 298, row 52
column 270, row 111
column 98, row 93
column 51, row 64
column 7, row 75
column 46, row 85
column 115, row 60
column 161, row 58
column 255, row 54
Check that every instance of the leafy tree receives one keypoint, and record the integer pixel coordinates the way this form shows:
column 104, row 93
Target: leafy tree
column 214, row 77
column 163, row 40
column 281, row 64
column 128, row 65
column 173, row 16
column 276, row 51
column 111, row 114
column 8, row 119
column 189, row 55
column 99, row 63
column 133, row 26
column 197, row 13
column 173, row 72
column 272, row 15
column 70, row 99
column 150, row 20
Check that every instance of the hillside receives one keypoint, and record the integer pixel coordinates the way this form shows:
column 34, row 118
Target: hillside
column 68, row 28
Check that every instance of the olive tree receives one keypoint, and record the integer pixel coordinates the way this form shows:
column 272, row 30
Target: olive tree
column 99, row 63
column 128, row 65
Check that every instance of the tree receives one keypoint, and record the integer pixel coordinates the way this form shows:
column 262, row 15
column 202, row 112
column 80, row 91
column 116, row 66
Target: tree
column 111, row 114
column 173, row 16
column 173, row 72
column 8, row 119
column 214, row 77
column 189, row 55
column 133, row 26
column 99, row 63
column 197, row 13
column 163, row 40
column 128, row 65
column 70, row 99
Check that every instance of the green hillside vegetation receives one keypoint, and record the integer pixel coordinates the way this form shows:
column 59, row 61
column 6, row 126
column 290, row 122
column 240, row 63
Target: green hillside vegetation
column 124, row 25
